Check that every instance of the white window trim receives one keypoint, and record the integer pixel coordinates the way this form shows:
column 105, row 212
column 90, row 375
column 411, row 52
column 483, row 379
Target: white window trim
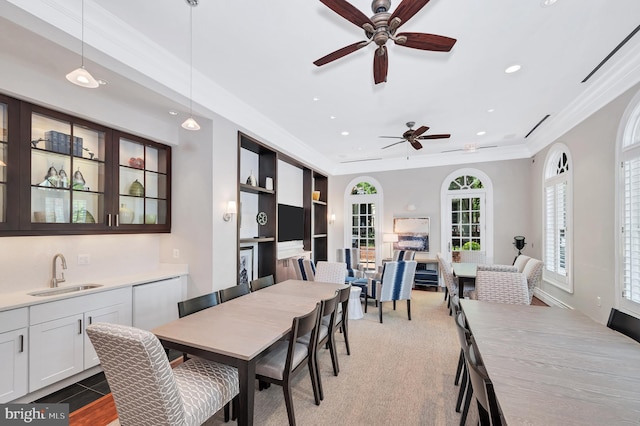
column 629, row 117
column 549, row 175
column 377, row 199
column 444, row 209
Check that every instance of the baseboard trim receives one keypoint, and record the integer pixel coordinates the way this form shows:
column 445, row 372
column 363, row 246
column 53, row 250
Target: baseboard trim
column 549, row 299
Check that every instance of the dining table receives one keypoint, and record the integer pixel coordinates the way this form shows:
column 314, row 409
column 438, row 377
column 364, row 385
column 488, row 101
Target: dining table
column 239, row 331
column 466, row 273
column 556, row 366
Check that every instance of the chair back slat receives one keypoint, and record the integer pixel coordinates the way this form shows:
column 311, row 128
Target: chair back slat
column 625, row 324
column 191, row 306
column 227, row 294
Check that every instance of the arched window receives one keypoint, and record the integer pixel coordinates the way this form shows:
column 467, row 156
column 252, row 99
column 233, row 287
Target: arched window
column 467, row 215
column 363, row 208
column 628, row 197
column 557, row 204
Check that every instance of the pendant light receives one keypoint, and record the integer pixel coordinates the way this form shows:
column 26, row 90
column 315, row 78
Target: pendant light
column 81, row 76
column 190, row 123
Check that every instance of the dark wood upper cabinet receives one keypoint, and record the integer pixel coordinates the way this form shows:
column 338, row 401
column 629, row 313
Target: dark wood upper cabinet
column 72, row 176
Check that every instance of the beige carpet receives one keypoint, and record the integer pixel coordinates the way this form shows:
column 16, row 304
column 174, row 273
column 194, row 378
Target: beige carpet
column 399, row 373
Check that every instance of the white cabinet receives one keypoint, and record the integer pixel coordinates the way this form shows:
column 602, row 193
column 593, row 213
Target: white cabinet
column 156, row 303
column 115, row 314
column 56, row 351
column 59, row 346
column 14, row 344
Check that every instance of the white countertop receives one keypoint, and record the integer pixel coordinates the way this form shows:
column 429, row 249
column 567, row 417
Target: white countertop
column 22, row 298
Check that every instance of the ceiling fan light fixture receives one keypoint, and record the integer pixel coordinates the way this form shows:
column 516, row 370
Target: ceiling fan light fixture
column 83, row 78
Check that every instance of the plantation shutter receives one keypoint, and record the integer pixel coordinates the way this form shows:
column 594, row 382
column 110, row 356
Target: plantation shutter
column 631, row 230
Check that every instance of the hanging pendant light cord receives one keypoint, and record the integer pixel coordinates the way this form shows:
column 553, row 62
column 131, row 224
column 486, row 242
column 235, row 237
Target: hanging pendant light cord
column 82, row 33
column 191, row 62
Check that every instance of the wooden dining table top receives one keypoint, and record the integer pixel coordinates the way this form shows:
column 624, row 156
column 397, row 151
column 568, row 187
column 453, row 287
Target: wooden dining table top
column 244, row 327
column 555, row 366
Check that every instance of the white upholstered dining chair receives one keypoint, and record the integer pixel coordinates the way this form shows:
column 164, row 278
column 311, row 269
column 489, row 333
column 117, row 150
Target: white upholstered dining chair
column 502, row 287
column 330, row 272
column 147, row 391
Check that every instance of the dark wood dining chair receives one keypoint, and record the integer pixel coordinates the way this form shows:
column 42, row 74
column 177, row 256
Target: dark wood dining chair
column 227, row 294
column 262, row 282
column 488, row 410
column 196, row 304
column 342, row 316
column 625, row 324
column 466, row 390
column 325, row 336
column 288, row 357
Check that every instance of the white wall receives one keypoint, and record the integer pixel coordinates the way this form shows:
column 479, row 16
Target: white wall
column 421, row 187
column 593, row 145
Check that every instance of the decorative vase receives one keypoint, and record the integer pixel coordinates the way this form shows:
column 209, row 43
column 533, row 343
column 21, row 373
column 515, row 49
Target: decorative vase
column 315, row 195
column 125, row 214
column 251, row 180
column 136, row 189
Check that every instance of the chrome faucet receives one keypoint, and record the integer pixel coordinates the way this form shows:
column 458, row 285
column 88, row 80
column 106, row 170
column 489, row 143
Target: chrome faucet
column 54, row 279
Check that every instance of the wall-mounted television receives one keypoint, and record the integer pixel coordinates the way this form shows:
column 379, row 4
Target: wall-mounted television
column 290, row 223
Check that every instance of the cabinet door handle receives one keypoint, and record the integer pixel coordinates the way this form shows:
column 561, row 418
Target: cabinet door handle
column 109, row 219
column 90, row 320
column 79, row 326
column 117, row 219
column 21, row 343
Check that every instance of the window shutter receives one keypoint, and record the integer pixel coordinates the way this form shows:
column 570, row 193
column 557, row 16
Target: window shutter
column 631, row 235
column 549, row 255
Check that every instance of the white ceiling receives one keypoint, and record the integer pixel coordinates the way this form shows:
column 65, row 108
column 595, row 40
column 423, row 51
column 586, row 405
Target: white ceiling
column 253, row 64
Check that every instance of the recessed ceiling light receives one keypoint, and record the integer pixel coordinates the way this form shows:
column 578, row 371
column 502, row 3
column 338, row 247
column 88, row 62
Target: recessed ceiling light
column 547, row 3
column 345, row 133
column 490, row 110
column 512, row 69
column 333, row 117
column 480, row 133
column 173, row 113
column 315, row 98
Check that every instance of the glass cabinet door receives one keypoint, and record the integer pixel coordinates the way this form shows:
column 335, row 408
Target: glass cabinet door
column 143, row 183
column 67, row 172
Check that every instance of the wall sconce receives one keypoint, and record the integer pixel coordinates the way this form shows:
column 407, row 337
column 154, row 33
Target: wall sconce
column 231, row 210
column 390, row 238
column 332, row 218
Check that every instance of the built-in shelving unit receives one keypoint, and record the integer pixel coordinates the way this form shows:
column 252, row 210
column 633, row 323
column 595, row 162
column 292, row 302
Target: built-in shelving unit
column 261, row 162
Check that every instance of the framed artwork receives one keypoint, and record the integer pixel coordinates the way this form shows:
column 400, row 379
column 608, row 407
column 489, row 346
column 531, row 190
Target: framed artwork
column 413, row 233
column 246, row 265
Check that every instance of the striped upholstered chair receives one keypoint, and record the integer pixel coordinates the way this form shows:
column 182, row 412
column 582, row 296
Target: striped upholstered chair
column 403, row 255
column 147, row 391
column 502, row 287
column 396, row 284
column 305, row 269
column 351, row 257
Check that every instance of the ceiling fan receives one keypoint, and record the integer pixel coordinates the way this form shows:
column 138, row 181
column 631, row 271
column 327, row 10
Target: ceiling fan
column 413, row 136
column 381, row 27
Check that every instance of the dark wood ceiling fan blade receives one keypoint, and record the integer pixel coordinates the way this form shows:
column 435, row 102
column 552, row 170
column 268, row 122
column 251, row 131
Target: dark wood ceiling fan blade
column 443, row 136
column 414, row 143
column 424, row 41
column 393, row 144
column 420, row 130
column 380, row 65
column 340, row 53
column 407, row 9
column 348, row 12
column 391, row 137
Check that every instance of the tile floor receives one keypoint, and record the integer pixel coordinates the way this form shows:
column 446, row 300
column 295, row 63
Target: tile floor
column 86, row 391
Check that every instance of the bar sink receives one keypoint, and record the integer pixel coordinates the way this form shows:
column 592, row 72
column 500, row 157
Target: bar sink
column 64, row 290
